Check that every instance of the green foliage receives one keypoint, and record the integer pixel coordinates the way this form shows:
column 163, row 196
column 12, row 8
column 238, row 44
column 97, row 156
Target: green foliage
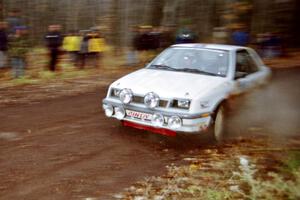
column 46, row 75
column 292, row 163
column 25, row 80
column 283, row 188
column 246, row 182
column 73, row 74
column 213, row 194
column 276, row 187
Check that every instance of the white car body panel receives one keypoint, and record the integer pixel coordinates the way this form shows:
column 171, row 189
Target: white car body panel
column 159, row 81
column 204, row 91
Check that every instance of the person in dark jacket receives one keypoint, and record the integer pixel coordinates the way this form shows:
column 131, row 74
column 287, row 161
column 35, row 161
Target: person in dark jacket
column 84, row 49
column 144, row 39
column 3, row 44
column 167, row 37
column 53, row 41
column 14, row 20
column 18, row 48
column 132, row 54
column 185, row 35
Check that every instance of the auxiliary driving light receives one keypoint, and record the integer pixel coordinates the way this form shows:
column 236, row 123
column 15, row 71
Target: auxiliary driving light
column 126, row 96
column 109, row 110
column 151, row 100
column 119, row 113
column 174, row 122
column 157, row 119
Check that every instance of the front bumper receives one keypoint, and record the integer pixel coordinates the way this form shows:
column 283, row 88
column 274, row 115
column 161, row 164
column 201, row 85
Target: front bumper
column 191, row 123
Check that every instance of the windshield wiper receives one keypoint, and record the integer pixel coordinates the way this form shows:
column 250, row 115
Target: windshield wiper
column 198, row 71
column 166, row 67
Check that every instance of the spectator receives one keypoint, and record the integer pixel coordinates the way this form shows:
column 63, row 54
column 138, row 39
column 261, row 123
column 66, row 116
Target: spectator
column 271, row 45
column 71, row 44
column 18, row 48
column 66, row 42
column 96, row 47
column 143, row 38
column 185, row 35
column 53, row 41
column 240, row 36
column 84, row 49
column 145, row 41
column 167, row 37
column 154, row 39
column 132, row 55
column 3, row 44
column 14, row 20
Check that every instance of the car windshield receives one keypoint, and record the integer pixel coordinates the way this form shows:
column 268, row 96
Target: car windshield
column 202, row 61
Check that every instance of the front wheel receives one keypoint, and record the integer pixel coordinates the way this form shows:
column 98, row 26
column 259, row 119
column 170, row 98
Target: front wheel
column 219, row 125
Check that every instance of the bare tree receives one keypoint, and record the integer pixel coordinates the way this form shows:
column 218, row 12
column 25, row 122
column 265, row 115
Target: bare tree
column 117, row 16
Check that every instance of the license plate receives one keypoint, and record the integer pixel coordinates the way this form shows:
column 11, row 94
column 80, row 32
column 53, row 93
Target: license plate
column 138, row 115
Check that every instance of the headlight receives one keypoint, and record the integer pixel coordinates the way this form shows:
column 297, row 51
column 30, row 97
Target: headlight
column 174, row 122
column 126, row 96
column 109, row 110
column 119, row 113
column 183, row 103
column 151, row 100
column 157, row 119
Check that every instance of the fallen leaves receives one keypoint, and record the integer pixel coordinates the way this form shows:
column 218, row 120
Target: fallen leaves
column 212, row 174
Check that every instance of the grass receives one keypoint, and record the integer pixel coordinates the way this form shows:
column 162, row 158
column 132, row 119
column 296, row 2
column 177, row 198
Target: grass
column 74, row 74
column 292, row 162
column 47, row 75
column 224, row 176
column 216, row 194
column 25, row 80
column 36, row 72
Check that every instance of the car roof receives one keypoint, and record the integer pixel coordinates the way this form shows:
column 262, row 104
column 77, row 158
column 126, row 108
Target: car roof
column 211, row 46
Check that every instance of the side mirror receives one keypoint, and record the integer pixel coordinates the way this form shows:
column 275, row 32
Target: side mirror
column 239, row 75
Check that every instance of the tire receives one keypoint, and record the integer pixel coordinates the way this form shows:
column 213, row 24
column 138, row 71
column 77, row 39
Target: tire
column 219, row 125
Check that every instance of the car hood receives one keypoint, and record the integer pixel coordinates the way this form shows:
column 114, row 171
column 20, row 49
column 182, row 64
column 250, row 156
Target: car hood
column 168, row 83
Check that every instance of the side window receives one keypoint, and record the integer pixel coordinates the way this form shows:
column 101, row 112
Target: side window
column 252, row 64
column 245, row 63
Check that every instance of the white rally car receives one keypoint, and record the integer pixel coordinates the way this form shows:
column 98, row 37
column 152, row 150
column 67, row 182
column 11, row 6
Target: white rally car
column 185, row 88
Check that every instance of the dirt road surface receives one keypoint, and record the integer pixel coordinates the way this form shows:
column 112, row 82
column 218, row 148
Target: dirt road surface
column 65, row 148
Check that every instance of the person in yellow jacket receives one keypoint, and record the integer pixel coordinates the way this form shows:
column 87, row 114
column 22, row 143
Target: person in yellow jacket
column 71, row 44
column 96, row 47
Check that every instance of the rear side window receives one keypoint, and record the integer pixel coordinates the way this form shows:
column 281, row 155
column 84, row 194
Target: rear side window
column 245, row 62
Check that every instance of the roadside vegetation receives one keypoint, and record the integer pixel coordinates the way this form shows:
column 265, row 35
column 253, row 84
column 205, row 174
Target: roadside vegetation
column 36, row 71
column 230, row 172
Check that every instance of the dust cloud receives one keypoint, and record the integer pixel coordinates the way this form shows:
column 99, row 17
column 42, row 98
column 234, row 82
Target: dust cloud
column 272, row 110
